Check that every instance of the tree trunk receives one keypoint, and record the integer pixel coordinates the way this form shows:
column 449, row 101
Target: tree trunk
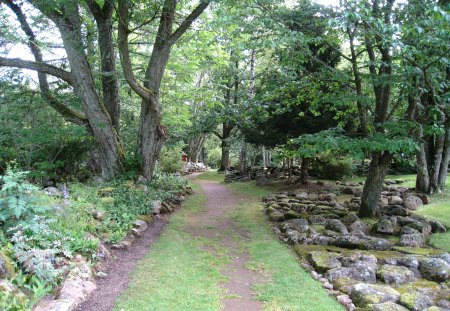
column 445, row 159
column 374, row 184
column 106, row 137
column 152, row 136
column 304, row 175
column 243, row 159
column 195, row 147
column 225, row 156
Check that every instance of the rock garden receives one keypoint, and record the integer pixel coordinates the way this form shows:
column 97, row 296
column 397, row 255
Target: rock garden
column 368, row 264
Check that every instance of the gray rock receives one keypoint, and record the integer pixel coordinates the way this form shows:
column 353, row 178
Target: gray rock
column 360, row 271
column 317, row 219
column 156, row 207
column 359, row 225
column 415, row 301
column 336, row 226
column 387, row 306
column 412, row 202
column 365, row 294
column 79, row 283
column 358, row 240
column 395, row 200
column 324, row 261
column 276, row 216
column 52, row 191
column 56, row 305
column 437, row 227
column 412, row 240
column 435, row 269
column 349, row 219
column 422, row 227
column 301, row 225
column 408, row 230
column 395, row 210
column 295, row 237
column 390, row 274
column 384, row 226
column 444, row 256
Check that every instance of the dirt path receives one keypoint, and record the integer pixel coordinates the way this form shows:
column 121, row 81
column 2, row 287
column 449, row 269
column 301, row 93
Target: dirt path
column 216, row 223
column 111, row 286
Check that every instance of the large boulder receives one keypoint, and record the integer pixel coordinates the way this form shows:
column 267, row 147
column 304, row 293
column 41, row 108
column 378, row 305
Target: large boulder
column 395, row 275
column 358, row 240
column 336, row 226
column 360, row 271
column 435, row 269
column 395, row 210
column 295, row 237
column 365, row 294
column 437, row 227
column 395, row 200
column 415, row 301
column 384, row 226
column 324, row 261
column 79, row 283
column 412, row 202
column 301, row 225
column 386, row 306
column 412, row 240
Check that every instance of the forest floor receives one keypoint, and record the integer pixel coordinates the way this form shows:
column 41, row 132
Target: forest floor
column 219, row 253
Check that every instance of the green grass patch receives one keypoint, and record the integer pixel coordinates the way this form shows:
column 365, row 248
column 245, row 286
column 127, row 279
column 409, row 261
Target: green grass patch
column 211, row 175
column 288, row 286
column 179, row 273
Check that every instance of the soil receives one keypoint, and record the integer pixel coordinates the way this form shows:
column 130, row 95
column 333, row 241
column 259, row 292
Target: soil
column 111, row 286
column 214, row 223
column 217, row 224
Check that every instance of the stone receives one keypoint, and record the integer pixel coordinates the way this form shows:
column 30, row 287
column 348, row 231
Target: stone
column 344, row 299
column 336, row 226
column 347, row 190
column 365, row 294
column 302, row 196
column 56, row 305
column 444, row 256
column 329, row 197
column 359, row 225
column 395, row 200
column 360, row 271
column 123, row 245
column 324, row 261
column 408, row 230
column 78, row 284
column 358, row 240
column 435, row 269
column 386, row 306
column 317, row 220
column 412, row 240
column 437, row 227
column 156, row 207
column 295, row 237
column 276, row 216
column 395, row 210
column 425, row 198
column 7, row 270
column 52, row 191
column 98, row 215
column 415, row 301
column 412, row 202
column 345, row 284
column 349, row 219
column 384, row 226
column 422, row 227
column 301, row 225
column 141, row 180
column 395, row 275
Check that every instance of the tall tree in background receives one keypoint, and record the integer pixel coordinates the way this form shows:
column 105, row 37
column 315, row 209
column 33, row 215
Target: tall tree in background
column 151, row 133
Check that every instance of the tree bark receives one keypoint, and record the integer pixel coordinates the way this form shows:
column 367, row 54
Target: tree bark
column 195, row 147
column 243, row 159
column 304, row 168
column 446, row 157
column 108, row 143
column 374, row 184
column 225, row 159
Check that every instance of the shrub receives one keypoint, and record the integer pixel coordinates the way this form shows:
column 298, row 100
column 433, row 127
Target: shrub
column 331, row 166
column 170, row 159
column 17, row 203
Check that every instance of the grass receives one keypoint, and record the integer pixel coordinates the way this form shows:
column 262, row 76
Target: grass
column 289, row 287
column 179, row 273
column 211, row 175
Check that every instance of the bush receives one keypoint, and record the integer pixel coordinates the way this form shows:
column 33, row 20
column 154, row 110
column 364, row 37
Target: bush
column 17, row 203
column 213, row 157
column 170, row 159
column 331, row 166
